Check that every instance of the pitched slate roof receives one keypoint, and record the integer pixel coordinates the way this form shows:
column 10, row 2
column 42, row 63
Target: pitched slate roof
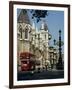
column 23, row 17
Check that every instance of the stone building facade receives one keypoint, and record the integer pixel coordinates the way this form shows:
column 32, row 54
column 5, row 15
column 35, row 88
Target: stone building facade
column 33, row 41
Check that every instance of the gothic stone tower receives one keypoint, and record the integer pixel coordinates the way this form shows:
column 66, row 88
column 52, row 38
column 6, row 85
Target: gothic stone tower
column 23, row 34
column 24, row 28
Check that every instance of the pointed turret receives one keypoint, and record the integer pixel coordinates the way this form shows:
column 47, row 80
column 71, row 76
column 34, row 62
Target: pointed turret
column 23, row 17
column 36, row 28
column 44, row 26
column 33, row 25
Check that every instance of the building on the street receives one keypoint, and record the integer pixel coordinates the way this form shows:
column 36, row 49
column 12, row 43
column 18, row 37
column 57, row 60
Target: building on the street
column 53, row 56
column 32, row 43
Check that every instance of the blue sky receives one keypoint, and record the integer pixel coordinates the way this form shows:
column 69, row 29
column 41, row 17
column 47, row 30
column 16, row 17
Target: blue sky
column 55, row 22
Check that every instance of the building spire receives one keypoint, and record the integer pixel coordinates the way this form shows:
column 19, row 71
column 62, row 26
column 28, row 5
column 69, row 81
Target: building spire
column 36, row 29
column 33, row 25
column 44, row 26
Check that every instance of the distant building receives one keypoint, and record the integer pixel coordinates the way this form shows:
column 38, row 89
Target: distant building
column 53, row 56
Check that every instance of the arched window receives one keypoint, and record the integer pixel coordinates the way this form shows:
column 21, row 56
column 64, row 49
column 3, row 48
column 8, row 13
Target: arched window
column 26, row 33
column 20, row 30
column 45, row 36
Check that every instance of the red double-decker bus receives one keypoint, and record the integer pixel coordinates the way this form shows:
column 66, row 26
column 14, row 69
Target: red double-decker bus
column 27, row 61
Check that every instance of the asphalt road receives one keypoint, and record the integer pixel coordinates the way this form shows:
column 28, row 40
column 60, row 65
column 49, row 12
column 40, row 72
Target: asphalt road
column 40, row 75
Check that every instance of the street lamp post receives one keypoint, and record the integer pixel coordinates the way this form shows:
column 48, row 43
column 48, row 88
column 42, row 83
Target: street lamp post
column 51, row 56
column 54, row 42
column 54, row 53
column 59, row 65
